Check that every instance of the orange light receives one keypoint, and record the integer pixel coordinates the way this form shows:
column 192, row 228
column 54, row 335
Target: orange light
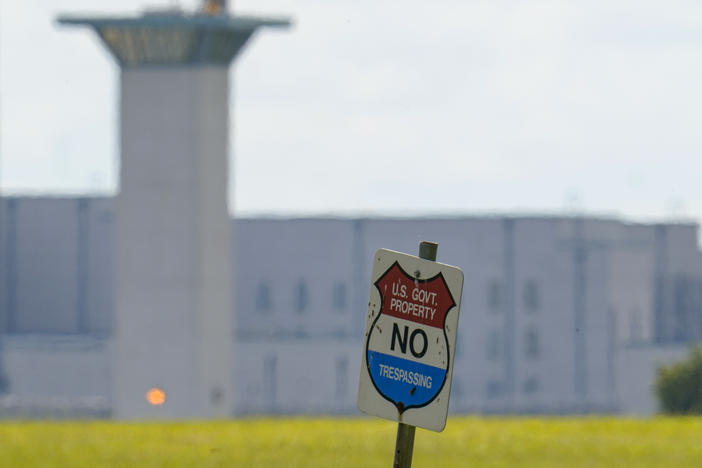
column 156, row 396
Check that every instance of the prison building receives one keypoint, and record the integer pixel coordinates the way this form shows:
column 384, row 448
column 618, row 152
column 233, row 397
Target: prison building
column 559, row 315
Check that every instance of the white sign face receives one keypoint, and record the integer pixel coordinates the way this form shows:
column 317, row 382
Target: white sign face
column 409, row 340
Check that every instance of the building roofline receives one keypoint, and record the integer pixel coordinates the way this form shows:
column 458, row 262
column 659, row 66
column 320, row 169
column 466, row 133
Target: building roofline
column 469, row 217
column 175, row 20
column 360, row 216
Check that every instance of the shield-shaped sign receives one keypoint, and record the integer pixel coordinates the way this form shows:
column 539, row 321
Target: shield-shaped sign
column 409, row 342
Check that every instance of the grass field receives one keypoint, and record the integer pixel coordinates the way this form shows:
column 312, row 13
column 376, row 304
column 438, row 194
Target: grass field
column 339, row 443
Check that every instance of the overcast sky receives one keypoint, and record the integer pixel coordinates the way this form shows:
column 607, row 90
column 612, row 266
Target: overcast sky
column 382, row 106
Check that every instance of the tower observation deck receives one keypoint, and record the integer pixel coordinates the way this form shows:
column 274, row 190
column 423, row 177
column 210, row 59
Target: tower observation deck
column 172, row 38
column 172, row 350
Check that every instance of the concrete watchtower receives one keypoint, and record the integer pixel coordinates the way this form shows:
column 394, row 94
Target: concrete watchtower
column 172, row 323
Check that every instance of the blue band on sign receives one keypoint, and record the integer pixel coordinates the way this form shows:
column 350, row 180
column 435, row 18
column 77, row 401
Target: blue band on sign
column 401, row 380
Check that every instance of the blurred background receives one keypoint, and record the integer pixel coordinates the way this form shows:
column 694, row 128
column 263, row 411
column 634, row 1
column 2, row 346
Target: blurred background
column 549, row 147
column 545, row 106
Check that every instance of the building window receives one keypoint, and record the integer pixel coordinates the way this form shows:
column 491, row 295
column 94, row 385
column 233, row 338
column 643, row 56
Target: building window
column 263, row 297
column 339, row 296
column 531, row 344
column 342, row 381
column 270, row 363
column 301, row 297
column 532, row 301
column 494, row 296
column 531, row 385
column 635, row 327
column 494, row 389
column 494, row 345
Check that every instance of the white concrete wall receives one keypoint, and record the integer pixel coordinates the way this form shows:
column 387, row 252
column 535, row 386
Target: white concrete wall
column 56, row 265
column 636, row 371
column 544, row 257
column 58, row 367
column 172, row 285
column 283, row 344
column 283, row 257
column 297, row 377
column 98, row 277
column 46, row 269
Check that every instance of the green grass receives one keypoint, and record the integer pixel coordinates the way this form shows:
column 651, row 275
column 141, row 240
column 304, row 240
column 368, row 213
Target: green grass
column 338, row 443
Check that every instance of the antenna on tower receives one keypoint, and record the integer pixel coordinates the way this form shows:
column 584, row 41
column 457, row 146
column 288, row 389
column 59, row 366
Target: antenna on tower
column 214, row 7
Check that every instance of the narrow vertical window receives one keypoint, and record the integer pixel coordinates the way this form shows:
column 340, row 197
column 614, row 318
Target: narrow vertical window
column 635, row 327
column 301, row 297
column 531, row 344
column 494, row 345
column 531, row 385
column 494, row 296
column 342, row 370
column 270, row 363
column 339, row 297
column 263, row 297
column 532, row 301
column 494, row 389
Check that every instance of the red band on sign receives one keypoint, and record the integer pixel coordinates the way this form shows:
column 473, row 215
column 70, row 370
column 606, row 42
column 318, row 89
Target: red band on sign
column 421, row 301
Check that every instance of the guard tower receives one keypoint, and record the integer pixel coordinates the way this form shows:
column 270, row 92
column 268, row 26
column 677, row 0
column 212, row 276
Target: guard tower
column 173, row 313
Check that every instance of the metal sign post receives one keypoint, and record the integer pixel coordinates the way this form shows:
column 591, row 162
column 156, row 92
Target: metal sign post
column 404, row 446
column 409, row 343
column 404, row 443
